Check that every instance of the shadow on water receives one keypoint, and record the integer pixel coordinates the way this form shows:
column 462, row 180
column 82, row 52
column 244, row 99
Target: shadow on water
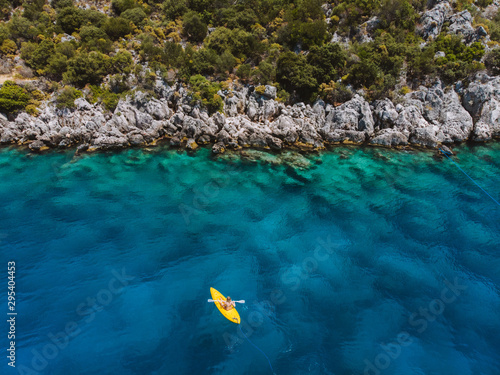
column 293, row 173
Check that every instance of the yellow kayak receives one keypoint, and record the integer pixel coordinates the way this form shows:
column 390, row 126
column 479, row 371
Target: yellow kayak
column 232, row 314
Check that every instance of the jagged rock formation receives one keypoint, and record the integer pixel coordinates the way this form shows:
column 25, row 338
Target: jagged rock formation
column 432, row 20
column 460, row 23
column 426, row 117
column 482, row 100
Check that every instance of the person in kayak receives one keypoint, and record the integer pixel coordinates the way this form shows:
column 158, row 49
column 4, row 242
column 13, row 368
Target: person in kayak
column 228, row 304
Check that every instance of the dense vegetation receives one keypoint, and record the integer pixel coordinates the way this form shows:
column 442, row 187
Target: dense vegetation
column 205, row 43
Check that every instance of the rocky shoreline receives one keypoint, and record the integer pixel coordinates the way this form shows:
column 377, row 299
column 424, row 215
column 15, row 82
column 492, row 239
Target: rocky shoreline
column 427, row 117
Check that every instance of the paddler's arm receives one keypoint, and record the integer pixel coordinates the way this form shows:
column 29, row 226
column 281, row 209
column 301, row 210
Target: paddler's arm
column 222, row 302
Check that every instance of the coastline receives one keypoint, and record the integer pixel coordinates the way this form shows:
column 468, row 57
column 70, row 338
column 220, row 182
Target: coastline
column 425, row 118
column 296, row 159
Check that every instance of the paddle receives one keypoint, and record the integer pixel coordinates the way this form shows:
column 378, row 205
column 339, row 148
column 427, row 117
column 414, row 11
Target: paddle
column 221, row 300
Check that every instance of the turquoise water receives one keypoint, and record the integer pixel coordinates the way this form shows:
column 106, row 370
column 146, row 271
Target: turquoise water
column 345, row 260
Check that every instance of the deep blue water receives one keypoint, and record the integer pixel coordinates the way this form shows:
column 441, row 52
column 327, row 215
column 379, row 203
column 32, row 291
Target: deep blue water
column 338, row 255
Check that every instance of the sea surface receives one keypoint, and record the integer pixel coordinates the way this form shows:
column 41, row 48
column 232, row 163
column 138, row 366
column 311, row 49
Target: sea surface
column 351, row 261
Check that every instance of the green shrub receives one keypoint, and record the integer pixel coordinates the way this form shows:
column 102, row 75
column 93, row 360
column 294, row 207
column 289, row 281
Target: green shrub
column 243, row 71
column 45, row 25
column 239, row 42
column 172, row 54
column 454, row 49
column 67, row 97
column 219, row 40
column 89, row 34
column 118, row 84
column 88, row 68
column 305, row 34
column 353, row 12
column 57, row 66
column 207, row 61
column 364, row 73
column 260, row 89
column 206, row 92
column 120, row 6
column 265, row 73
column 226, row 62
column 93, row 17
column 295, row 74
column 334, row 93
column 117, row 28
column 460, row 60
column 27, row 50
column 4, row 32
column 135, row 15
column 94, row 38
column 492, row 61
column 233, row 18
column 421, row 62
column 122, row 62
column 31, row 109
column 110, row 100
column 36, row 56
column 32, row 9
column 175, row 8
column 282, row 96
column 404, row 90
column 399, row 13
column 150, row 50
column 69, row 19
column 8, row 47
column 205, row 5
column 13, row 97
column 193, row 27
column 66, row 48
column 204, row 61
column 58, row 4
column 483, row 3
column 328, row 62
column 22, row 28
column 5, row 8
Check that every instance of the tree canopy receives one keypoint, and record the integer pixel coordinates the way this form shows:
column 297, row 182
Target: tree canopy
column 287, row 43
